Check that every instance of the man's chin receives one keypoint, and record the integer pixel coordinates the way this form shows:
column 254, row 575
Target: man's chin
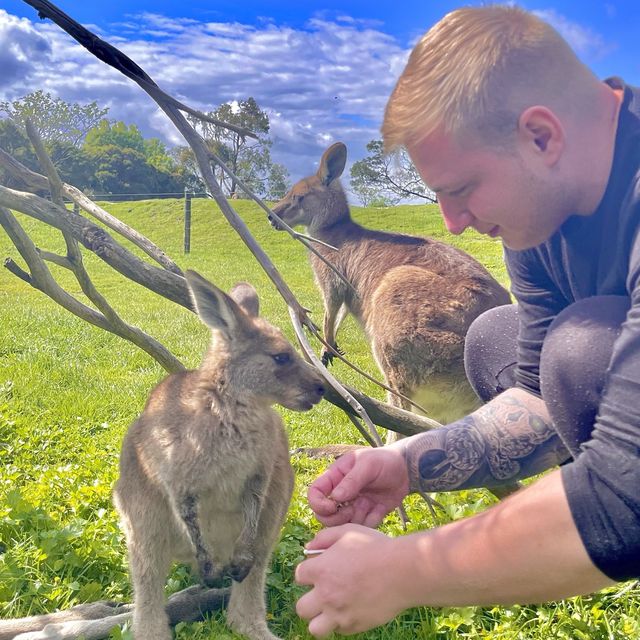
column 520, row 244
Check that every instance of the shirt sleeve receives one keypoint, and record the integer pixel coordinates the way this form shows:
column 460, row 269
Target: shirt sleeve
column 603, row 483
column 539, row 302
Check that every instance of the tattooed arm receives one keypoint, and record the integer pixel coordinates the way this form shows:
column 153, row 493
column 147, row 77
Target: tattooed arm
column 524, row 549
column 507, row 439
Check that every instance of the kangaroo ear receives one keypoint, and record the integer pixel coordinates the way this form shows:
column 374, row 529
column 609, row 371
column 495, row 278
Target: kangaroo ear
column 246, row 297
column 215, row 308
column 332, row 163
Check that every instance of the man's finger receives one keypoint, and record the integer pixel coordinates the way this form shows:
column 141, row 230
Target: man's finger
column 322, row 625
column 320, row 503
column 307, row 606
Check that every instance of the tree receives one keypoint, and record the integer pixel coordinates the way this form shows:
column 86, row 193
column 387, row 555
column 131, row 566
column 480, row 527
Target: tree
column 125, row 162
column 116, row 134
column 249, row 160
column 16, row 144
column 186, row 164
column 387, row 178
column 54, row 119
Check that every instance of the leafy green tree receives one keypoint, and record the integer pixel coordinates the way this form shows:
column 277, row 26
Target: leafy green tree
column 14, row 142
column 117, row 134
column 126, row 162
column 248, row 158
column 75, row 166
column 387, row 177
column 55, row 119
column 186, row 165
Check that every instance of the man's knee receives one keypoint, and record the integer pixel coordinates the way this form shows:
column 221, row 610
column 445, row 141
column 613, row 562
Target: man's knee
column 579, row 342
column 490, row 351
column 574, row 361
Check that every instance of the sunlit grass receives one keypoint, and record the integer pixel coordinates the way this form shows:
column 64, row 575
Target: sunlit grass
column 68, row 391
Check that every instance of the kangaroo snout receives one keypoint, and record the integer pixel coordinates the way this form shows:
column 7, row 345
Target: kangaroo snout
column 274, row 222
column 311, row 390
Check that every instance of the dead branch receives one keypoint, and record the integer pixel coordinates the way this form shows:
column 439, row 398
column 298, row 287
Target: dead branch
column 39, row 183
column 118, row 60
column 95, row 621
column 42, row 279
column 370, row 434
column 115, row 58
column 96, row 239
column 73, row 261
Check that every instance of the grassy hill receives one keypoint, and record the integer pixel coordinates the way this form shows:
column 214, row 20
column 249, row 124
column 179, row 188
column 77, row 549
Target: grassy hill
column 68, row 391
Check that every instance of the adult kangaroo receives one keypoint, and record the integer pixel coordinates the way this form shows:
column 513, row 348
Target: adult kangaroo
column 415, row 297
column 205, row 476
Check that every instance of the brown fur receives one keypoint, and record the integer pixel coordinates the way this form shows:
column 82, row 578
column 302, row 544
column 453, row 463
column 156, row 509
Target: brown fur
column 416, row 297
column 204, row 472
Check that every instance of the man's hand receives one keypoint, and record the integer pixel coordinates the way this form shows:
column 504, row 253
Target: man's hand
column 361, row 487
column 353, row 581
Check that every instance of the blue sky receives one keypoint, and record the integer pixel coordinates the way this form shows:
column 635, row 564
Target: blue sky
column 322, row 71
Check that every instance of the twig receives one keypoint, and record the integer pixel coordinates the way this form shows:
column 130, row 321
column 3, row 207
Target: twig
column 371, row 435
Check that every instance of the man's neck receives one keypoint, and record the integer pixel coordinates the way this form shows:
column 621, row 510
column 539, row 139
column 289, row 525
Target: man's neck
column 601, row 148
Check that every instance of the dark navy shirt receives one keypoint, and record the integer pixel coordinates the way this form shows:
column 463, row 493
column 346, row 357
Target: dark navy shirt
column 588, row 256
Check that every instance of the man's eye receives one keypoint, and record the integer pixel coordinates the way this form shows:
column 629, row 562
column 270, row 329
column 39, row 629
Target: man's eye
column 282, row 358
column 459, row 192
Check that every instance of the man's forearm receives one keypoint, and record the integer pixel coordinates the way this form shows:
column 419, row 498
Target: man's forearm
column 507, row 439
column 525, row 549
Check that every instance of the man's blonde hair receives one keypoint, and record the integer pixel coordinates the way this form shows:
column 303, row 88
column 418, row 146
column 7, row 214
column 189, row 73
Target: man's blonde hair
column 476, row 70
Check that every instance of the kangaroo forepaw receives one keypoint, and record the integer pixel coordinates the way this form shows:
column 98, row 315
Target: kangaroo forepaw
column 240, row 566
column 210, row 575
column 328, row 355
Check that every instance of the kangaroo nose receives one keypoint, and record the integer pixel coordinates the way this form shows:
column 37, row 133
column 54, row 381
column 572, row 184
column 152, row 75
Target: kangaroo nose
column 273, row 222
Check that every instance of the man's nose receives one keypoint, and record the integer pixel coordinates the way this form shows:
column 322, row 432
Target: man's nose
column 456, row 218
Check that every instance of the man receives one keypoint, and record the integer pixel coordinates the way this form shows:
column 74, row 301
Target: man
column 519, row 140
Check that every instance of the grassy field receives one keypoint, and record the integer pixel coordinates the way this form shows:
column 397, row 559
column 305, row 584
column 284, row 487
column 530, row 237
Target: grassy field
column 68, row 391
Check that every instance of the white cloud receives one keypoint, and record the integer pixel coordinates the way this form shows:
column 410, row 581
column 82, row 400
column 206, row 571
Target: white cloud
column 326, row 82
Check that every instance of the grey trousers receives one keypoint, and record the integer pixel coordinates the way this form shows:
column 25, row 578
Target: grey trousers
column 573, row 362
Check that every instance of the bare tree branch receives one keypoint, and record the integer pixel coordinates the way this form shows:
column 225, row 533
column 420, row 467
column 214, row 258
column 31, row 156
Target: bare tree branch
column 95, row 621
column 370, row 435
column 42, row 280
column 96, row 239
column 39, row 182
column 74, row 260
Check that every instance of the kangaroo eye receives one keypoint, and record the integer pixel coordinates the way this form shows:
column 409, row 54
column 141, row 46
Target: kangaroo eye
column 282, row 358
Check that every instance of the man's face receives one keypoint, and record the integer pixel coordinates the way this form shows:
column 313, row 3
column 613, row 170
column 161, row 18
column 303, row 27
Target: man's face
column 505, row 193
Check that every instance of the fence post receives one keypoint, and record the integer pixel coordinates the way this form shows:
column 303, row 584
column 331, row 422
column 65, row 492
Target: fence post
column 187, row 220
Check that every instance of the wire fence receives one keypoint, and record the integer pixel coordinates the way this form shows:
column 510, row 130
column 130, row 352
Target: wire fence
column 123, row 197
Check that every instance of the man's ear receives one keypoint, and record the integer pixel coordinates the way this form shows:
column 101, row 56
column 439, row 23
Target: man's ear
column 542, row 133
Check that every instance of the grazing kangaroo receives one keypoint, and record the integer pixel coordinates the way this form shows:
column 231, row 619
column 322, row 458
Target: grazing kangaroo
column 414, row 297
column 205, row 475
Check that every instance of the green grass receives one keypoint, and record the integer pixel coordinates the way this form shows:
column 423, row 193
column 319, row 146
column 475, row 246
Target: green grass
column 68, row 391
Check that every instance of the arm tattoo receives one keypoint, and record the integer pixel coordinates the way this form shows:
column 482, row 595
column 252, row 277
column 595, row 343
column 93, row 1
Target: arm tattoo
column 505, row 440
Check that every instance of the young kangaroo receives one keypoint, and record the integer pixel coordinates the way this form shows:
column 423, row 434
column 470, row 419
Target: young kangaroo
column 414, row 297
column 204, row 472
